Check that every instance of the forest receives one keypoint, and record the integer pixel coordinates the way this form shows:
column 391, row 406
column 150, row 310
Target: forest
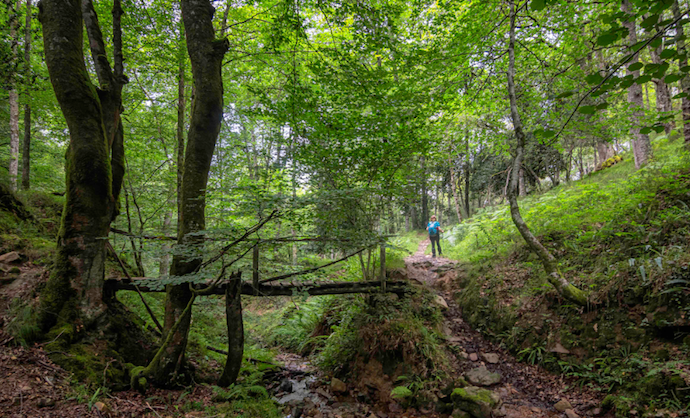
column 225, row 208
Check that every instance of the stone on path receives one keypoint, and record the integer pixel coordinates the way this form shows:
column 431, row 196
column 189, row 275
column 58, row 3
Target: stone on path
column 458, row 413
column 481, row 376
column 441, row 302
column 9, row 257
column 338, row 386
column 562, row 405
column 571, row 414
column 474, row 357
column 477, row 401
column 491, row 358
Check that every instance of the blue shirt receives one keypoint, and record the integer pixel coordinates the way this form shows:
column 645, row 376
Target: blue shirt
column 433, row 227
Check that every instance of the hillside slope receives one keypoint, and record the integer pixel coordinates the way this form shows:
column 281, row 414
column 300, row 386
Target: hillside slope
column 619, row 234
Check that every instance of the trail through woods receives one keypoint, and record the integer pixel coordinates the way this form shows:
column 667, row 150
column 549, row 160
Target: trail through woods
column 33, row 386
column 526, row 390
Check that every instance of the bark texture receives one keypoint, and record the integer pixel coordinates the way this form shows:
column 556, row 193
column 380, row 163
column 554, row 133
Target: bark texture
column 78, row 275
column 233, row 317
column 206, row 55
column 26, row 146
column 685, row 81
column 663, row 96
column 642, row 147
column 14, row 103
column 563, row 287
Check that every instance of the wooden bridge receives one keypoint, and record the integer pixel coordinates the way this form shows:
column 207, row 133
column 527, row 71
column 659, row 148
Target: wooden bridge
column 278, row 286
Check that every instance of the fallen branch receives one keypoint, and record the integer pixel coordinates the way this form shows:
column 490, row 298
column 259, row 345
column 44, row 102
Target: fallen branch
column 311, row 270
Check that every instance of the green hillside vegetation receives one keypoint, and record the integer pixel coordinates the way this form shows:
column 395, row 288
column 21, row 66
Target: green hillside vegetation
column 624, row 236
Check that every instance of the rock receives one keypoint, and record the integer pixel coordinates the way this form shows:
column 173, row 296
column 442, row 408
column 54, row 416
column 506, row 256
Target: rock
column 458, row 413
column 477, row 401
column 490, row 357
column 474, row 357
column 338, row 386
column 571, row 414
column 562, row 405
column 481, row 376
column 441, row 302
column 101, row 407
column 394, row 407
column 559, row 349
column 46, row 402
column 10, row 257
column 285, row 386
column 464, row 355
column 596, row 412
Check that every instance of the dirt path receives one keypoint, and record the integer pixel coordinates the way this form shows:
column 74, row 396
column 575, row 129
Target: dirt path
column 526, row 390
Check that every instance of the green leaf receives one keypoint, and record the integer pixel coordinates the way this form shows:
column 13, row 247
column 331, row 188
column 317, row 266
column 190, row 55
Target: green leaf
column 680, row 95
column 685, row 69
column 649, row 22
column 607, row 39
column 587, row 110
column 667, row 53
column 635, row 66
column 658, row 129
column 643, row 79
column 537, row 5
column 601, row 106
column 565, row 94
column 645, row 130
column 594, row 78
column 671, row 78
column 656, row 43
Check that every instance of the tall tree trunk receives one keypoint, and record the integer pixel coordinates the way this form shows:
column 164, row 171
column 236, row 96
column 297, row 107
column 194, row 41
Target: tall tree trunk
column 642, row 147
column 14, row 99
column 563, row 287
column 663, row 97
column 233, row 318
column 425, row 197
column 26, row 146
column 164, row 267
column 522, row 189
column 685, row 81
column 180, row 121
column 206, row 55
column 454, row 190
column 78, row 276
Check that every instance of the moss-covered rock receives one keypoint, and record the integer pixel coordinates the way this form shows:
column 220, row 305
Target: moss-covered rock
column 478, row 402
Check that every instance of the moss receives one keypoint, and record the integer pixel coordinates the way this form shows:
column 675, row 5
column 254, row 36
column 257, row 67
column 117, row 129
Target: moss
column 478, row 402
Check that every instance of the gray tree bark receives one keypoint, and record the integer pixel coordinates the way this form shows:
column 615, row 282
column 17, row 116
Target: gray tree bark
column 642, row 147
column 685, row 81
column 206, row 56
column 559, row 282
column 26, row 145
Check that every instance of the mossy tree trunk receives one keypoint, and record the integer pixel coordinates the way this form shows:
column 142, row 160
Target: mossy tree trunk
column 233, row 317
column 93, row 163
column 78, row 275
column 563, row 287
column 206, row 56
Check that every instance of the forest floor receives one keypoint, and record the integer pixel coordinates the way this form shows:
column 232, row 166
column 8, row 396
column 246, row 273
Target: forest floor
column 33, row 386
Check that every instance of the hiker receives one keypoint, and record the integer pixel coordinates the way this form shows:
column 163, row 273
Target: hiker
column 435, row 230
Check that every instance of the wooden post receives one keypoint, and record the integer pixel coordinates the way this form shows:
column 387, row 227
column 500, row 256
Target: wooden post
column 383, row 267
column 255, row 269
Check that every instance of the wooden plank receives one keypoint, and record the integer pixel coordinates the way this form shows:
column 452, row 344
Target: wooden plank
column 333, row 288
column 255, row 267
column 382, row 274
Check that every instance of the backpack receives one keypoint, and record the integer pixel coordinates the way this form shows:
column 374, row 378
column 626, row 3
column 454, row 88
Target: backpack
column 433, row 228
